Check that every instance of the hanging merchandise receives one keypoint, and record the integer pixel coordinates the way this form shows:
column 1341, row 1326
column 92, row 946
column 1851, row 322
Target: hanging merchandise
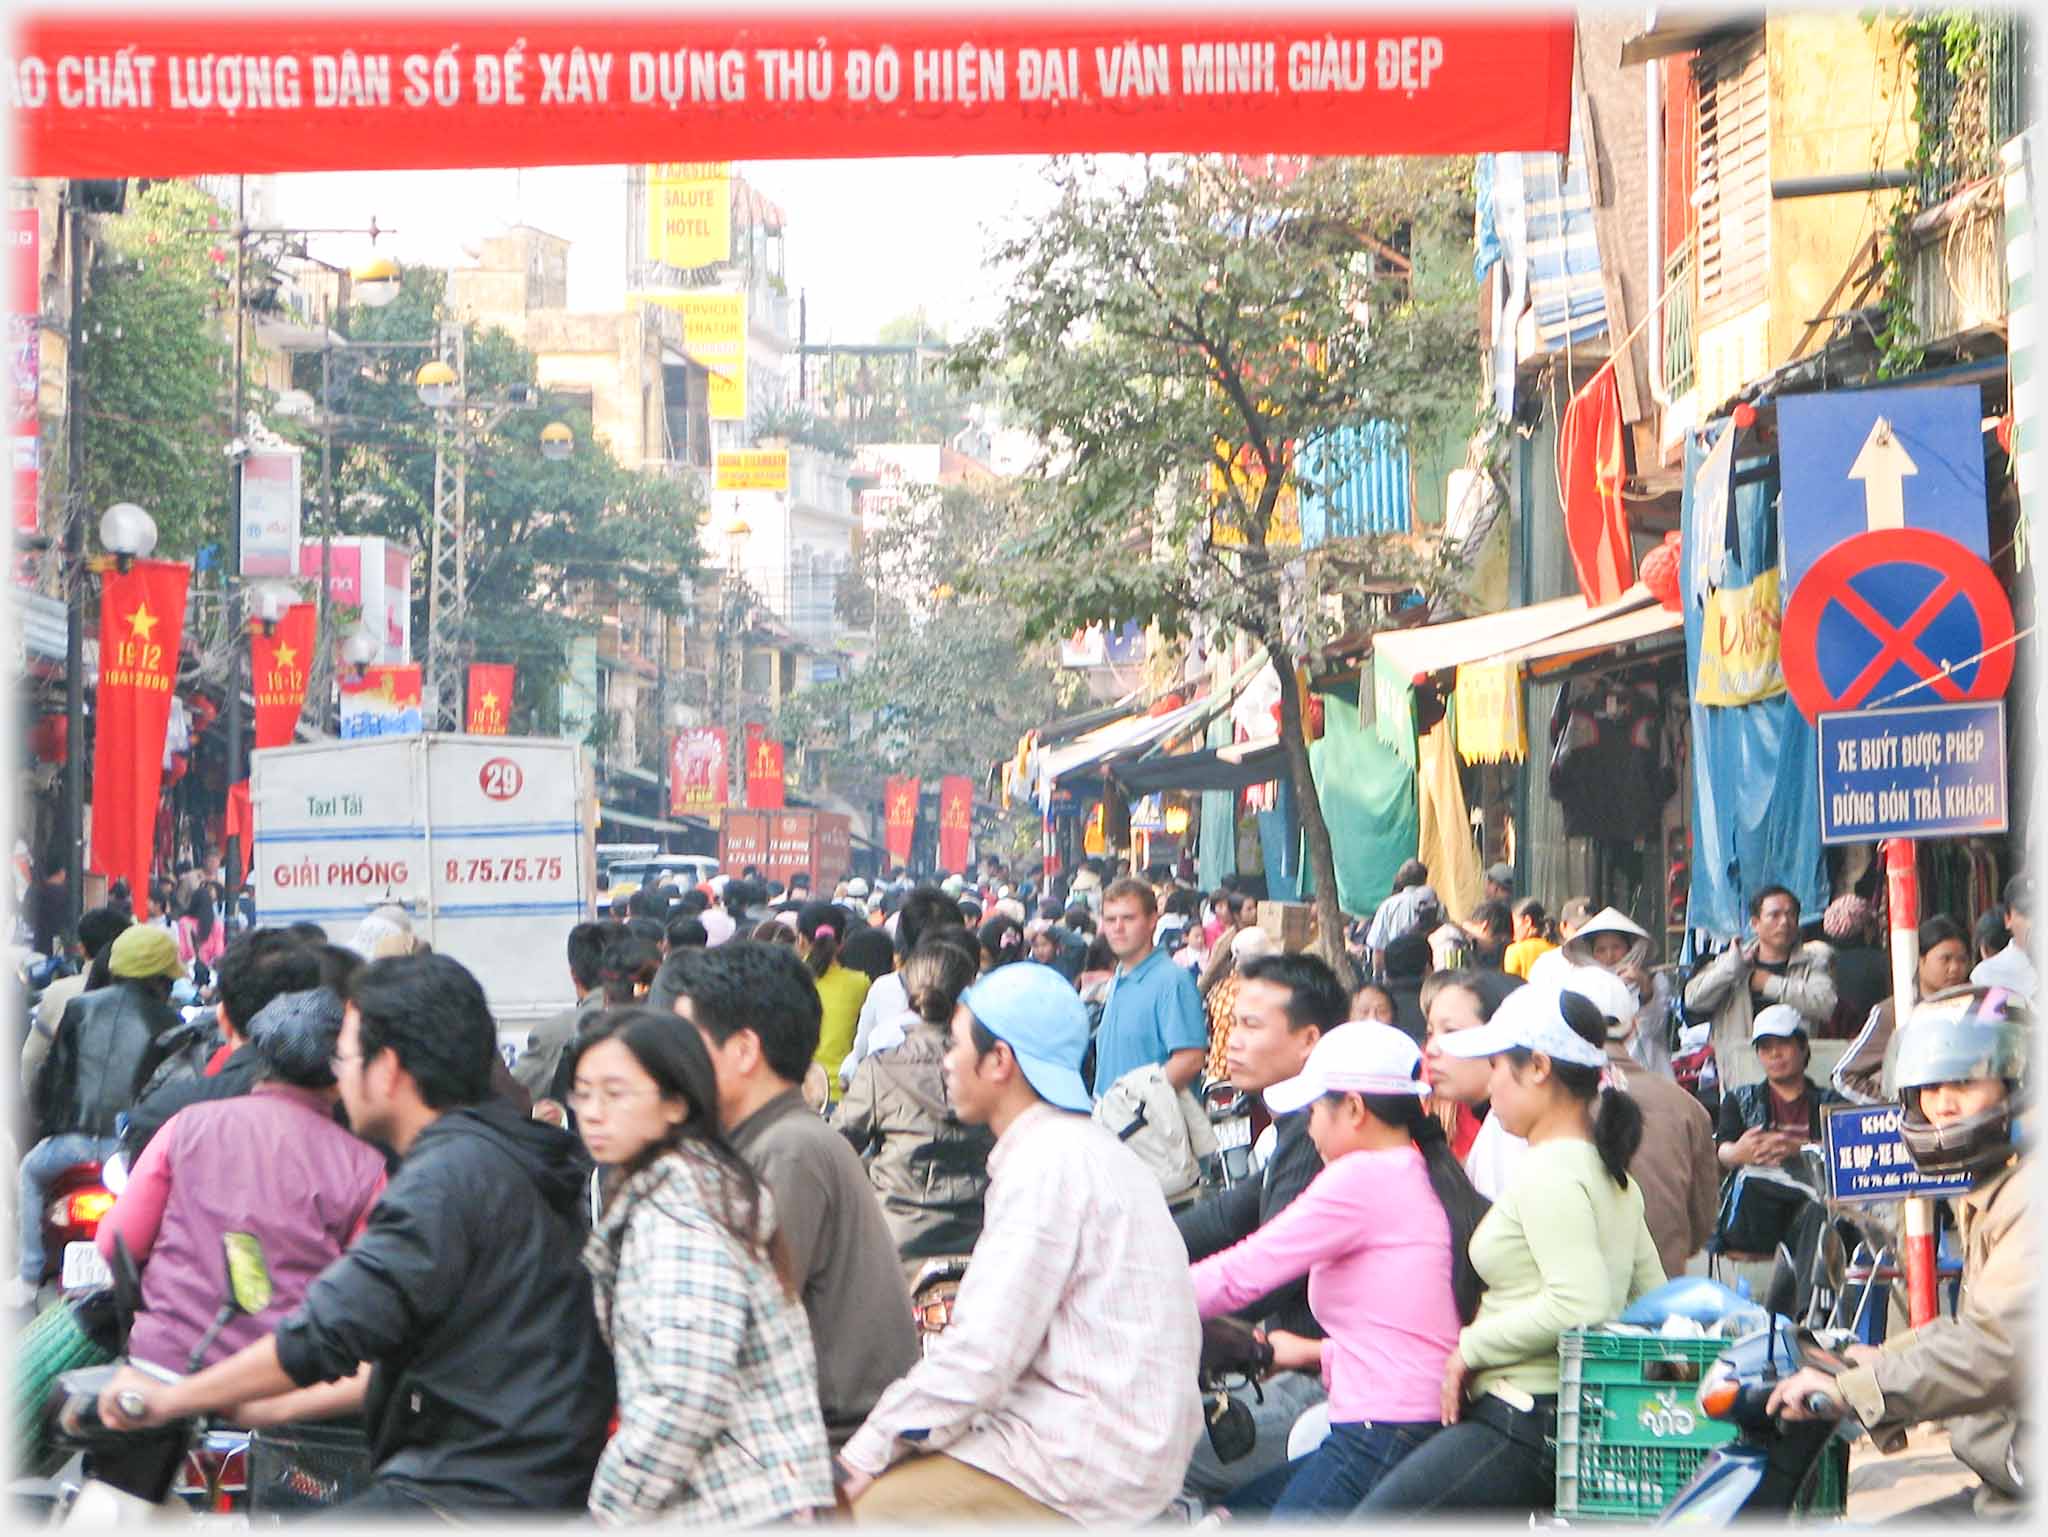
column 1609, row 770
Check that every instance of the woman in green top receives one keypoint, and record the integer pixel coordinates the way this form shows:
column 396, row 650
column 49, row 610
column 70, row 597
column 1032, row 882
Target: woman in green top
column 1563, row 1247
column 821, row 928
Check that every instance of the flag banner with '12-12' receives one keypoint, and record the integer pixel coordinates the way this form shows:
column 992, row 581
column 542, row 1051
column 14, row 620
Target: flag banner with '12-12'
column 142, row 615
column 180, row 95
column 279, row 664
column 490, row 697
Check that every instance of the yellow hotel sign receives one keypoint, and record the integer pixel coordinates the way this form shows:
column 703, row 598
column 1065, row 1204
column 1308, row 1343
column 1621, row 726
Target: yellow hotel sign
column 715, row 334
column 689, row 213
column 754, row 469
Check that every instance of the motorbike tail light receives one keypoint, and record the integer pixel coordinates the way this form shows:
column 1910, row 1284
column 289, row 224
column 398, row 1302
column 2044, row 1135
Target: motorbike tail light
column 87, row 1207
column 1717, row 1397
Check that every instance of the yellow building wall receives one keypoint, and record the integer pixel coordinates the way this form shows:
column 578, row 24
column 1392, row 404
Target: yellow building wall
column 1840, row 102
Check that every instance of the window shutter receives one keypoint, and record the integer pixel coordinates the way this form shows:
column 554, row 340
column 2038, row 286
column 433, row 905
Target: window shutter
column 1734, row 178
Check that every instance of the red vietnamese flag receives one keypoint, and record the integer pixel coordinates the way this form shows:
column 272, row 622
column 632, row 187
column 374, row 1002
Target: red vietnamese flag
column 956, row 822
column 490, row 697
column 899, row 817
column 142, row 613
column 278, row 667
column 764, row 769
column 1590, row 468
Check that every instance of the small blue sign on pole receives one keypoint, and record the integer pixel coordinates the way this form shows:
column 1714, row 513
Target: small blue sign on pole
column 1857, row 460
column 1868, row 1161
column 1917, row 771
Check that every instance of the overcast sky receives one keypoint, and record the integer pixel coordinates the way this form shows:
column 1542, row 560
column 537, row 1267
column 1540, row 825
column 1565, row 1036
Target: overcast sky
column 867, row 239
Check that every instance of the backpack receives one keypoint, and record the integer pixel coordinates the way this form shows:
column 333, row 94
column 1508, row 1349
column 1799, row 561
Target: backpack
column 1164, row 1126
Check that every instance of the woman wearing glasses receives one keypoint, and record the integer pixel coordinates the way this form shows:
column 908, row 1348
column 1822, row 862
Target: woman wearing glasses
column 717, row 1376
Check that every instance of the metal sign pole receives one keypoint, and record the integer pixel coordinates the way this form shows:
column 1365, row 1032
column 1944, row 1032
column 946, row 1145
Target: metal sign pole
column 1902, row 884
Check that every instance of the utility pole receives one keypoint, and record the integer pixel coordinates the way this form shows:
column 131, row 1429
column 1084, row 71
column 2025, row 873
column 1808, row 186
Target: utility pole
column 231, row 592
column 447, row 613
column 74, row 560
column 320, row 673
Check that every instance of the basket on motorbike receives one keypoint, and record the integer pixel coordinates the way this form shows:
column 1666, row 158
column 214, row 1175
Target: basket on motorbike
column 1630, row 1432
column 306, row 1467
column 61, row 1339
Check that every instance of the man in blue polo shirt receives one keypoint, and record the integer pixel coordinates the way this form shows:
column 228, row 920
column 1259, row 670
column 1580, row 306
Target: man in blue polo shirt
column 1154, row 1013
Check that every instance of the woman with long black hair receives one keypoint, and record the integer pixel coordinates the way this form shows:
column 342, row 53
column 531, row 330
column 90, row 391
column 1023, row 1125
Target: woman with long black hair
column 821, row 930
column 1565, row 1246
column 1382, row 1234
column 201, row 935
column 717, row 1376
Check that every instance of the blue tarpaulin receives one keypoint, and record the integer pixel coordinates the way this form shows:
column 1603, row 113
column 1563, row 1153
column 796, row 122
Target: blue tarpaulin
column 1756, row 779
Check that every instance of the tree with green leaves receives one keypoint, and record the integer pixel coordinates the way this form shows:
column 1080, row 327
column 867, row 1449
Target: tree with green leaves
column 1197, row 340
column 549, row 539
column 952, row 682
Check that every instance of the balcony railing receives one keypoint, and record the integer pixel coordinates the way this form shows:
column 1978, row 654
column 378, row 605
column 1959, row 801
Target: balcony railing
column 1972, row 116
column 1678, row 353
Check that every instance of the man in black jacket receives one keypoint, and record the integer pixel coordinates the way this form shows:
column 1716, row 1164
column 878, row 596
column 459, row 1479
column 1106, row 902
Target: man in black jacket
column 254, row 969
column 108, row 1043
column 488, row 1387
column 1284, row 1004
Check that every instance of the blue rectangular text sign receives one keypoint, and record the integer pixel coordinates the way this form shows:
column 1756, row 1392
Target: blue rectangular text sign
column 1920, row 771
column 1868, row 1161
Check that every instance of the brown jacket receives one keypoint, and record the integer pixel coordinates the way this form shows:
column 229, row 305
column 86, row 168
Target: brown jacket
column 1676, row 1166
column 1970, row 1370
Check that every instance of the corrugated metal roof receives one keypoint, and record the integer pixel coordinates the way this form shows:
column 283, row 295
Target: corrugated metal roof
column 1369, row 491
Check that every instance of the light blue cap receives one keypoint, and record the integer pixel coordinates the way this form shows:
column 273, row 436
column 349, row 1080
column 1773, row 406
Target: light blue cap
column 1036, row 1012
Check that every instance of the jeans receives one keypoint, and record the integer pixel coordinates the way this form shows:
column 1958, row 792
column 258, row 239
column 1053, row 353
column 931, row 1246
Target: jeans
column 1288, row 1396
column 1337, row 1475
column 45, row 1161
column 1468, row 1466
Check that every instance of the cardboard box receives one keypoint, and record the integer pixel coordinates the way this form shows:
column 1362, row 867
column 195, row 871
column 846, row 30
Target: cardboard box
column 1288, row 924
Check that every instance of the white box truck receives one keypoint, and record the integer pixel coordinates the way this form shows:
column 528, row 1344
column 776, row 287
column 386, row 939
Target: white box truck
column 484, row 840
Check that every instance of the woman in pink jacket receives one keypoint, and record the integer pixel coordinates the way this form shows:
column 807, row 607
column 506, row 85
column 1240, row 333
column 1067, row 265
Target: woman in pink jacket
column 1381, row 1235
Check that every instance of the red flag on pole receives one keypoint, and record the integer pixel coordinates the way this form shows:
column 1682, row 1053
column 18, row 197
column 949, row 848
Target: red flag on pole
column 764, row 769
column 956, row 822
column 142, row 613
column 899, row 818
column 696, row 771
column 1590, row 469
column 490, row 697
column 278, row 666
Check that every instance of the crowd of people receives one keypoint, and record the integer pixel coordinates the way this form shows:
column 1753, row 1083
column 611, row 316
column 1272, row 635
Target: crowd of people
column 661, row 1266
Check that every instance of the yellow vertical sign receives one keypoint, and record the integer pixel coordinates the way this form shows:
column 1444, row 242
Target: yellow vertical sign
column 689, row 213
column 715, row 334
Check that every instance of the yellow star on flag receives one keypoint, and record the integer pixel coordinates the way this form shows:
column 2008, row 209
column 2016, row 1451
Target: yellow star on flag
column 142, row 622
column 489, row 703
column 284, row 656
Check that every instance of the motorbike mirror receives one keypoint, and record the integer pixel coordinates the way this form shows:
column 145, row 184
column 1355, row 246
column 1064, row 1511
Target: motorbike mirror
column 114, row 1174
column 248, row 1272
column 1781, row 1296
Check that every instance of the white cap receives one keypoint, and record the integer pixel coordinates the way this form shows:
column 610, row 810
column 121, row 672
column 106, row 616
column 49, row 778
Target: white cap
column 1611, row 996
column 1611, row 920
column 1531, row 1018
column 857, row 887
column 1779, row 1020
column 1362, row 1057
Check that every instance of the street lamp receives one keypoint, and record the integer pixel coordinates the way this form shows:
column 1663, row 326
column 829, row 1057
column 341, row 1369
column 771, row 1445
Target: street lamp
column 359, row 648
column 128, row 533
column 375, row 283
column 270, row 600
column 557, row 442
column 437, row 385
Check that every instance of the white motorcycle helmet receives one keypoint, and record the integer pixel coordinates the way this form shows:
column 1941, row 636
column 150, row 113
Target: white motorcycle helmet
column 1952, row 1036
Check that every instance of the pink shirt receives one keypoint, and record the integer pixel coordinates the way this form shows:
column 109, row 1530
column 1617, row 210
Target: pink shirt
column 1373, row 1240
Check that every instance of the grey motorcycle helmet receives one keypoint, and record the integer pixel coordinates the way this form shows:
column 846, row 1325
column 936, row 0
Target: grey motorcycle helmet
column 1951, row 1036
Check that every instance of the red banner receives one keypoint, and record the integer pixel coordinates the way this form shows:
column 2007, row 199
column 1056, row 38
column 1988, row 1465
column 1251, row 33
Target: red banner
column 142, row 612
column 899, row 817
column 279, row 664
column 764, row 769
column 384, row 701
column 490, row 697
column 956, row 822
column 142, row 95
column 25, row 350
column 697, row 771
column 1591, row 469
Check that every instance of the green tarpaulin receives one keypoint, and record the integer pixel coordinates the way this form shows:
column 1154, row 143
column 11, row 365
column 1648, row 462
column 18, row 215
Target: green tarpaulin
column 1367, row 791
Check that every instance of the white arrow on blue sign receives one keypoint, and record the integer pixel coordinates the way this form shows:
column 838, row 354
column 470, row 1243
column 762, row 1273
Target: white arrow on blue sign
column 1854, row 460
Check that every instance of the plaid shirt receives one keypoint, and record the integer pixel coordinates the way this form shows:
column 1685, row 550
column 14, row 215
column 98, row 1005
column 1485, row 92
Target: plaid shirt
column 718, row 1386
column 1068, row 1370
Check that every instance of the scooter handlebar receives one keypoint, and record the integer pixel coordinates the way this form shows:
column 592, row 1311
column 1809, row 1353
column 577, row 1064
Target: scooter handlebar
column 1821, row 1405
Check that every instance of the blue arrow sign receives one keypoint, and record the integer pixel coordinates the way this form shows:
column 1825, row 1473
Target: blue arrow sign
column 1856, row 460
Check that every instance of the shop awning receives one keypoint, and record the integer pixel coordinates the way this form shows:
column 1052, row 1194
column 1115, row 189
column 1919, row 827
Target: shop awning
column 1220, row 768
column 651, row 824
column 1414, row 656
column 1122, row 738
column 1684, row 29
column 1640, row 632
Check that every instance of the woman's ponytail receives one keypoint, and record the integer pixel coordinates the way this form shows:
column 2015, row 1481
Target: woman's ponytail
column 1463, row 1205
column 820, row 925
column 1617, row 1132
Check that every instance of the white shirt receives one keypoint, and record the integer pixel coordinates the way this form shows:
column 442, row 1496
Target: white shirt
column 1490, row 1162
column 719, row 925
column 1068, row 1370
column 2011, row 968
column 886, row 1002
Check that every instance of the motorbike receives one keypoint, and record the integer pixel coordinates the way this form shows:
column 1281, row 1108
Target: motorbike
column 1769, row 1466
column 78, row 1199
column 1230, row 1119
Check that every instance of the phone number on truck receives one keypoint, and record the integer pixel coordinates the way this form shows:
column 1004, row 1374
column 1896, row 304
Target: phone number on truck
column 514, row 868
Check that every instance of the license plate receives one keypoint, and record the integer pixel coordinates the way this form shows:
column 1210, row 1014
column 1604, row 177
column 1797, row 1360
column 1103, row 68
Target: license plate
column 84, row 1269
column 1234, row 1133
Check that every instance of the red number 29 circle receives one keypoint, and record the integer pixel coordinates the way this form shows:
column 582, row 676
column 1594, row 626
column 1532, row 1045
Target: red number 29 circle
column 501, row 779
